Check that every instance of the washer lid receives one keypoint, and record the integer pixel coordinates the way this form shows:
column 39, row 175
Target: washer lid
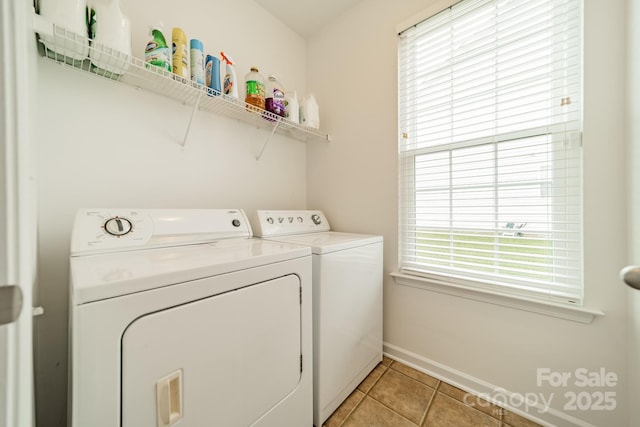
column 102, row 276
column 329, row 241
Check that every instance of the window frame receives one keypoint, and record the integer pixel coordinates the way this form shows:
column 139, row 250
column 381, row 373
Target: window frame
column 408, row 273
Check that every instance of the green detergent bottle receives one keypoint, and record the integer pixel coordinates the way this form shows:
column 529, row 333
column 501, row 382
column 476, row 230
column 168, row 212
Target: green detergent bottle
column 157, row 52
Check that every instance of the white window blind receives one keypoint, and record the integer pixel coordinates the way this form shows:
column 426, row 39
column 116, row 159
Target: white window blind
column 490, row 155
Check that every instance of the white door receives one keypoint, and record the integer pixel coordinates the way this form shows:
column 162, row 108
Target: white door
column 17, row 225
column 633, row 118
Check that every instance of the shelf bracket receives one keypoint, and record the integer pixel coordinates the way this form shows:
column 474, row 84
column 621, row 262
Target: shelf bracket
column 264, row 145
column 193, row 113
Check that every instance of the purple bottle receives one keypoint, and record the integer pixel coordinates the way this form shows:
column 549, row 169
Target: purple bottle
column 274, row 96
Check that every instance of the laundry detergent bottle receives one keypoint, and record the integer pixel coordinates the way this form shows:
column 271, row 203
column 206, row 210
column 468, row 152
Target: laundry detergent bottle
column 310, row 113
column 111, row 32
column 274, row 96
column 71, row 16
column 292, row 108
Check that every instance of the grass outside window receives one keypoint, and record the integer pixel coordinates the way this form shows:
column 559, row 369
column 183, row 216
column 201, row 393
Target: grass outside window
column 487, row 252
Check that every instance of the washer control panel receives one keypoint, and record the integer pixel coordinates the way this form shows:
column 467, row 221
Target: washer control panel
column 114, row 230
column 280, row 223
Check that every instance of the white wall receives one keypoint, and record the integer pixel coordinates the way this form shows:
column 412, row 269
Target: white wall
column 103, row 144
column 352, row 69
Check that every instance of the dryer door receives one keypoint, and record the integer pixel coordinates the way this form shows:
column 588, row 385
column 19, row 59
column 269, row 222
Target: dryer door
column 220, row 361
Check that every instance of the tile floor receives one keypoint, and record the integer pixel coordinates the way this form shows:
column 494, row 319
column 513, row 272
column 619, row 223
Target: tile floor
column 395, row 395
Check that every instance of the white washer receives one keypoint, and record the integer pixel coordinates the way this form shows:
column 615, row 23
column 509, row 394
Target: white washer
column 180, row 317
column 347, row 301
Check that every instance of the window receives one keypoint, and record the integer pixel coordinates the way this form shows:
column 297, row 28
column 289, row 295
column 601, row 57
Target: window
column 490, row 156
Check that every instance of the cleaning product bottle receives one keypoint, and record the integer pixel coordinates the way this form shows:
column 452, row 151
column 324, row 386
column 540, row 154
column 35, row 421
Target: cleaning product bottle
column 230, row 83
column 212, row 79
column 292, row 108
column 255, row 89
column 310, row 113
column 180, row 53
column 71, row 17
column 274, row 96
column 110, row 31
column 157, row 51
column 197, row 61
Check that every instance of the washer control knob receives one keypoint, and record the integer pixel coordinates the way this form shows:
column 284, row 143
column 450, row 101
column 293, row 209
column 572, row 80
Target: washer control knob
column 235, row 222
column 316, row 219
column 117, row 226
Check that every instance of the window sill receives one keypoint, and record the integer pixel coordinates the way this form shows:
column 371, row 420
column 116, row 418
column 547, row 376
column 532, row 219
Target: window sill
column 548, row 308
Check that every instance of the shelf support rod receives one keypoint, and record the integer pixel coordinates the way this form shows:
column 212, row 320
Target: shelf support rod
column 193, row 113
column 264, row 145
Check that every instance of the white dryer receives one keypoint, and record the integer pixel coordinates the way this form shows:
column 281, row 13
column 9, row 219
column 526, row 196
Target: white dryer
column 180, row 317
column 347, row 301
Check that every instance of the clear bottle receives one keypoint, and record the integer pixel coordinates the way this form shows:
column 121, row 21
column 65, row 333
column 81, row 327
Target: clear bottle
column 274, row 96
column 255, row 89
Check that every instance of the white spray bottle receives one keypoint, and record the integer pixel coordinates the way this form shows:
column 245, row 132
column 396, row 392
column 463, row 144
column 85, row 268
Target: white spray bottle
column 230, row 82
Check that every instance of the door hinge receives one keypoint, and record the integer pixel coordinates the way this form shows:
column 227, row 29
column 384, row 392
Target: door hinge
column 300, row 295
column 301, row 363
column 10, row 303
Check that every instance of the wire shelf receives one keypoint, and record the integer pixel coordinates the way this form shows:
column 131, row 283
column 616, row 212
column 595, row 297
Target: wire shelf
column 80, row 52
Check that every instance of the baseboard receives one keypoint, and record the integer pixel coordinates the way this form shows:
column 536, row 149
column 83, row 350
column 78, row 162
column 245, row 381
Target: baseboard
column 544, row 416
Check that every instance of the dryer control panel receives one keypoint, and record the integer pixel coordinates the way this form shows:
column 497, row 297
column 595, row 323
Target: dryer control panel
column 115, row 230
column 286, row 222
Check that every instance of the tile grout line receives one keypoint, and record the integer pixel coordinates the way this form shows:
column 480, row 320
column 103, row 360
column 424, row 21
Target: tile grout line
column 392, row 410
column 436, row 390
column 381, row 403
column 410, row 378
column 433, row 396
column 365, row 394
